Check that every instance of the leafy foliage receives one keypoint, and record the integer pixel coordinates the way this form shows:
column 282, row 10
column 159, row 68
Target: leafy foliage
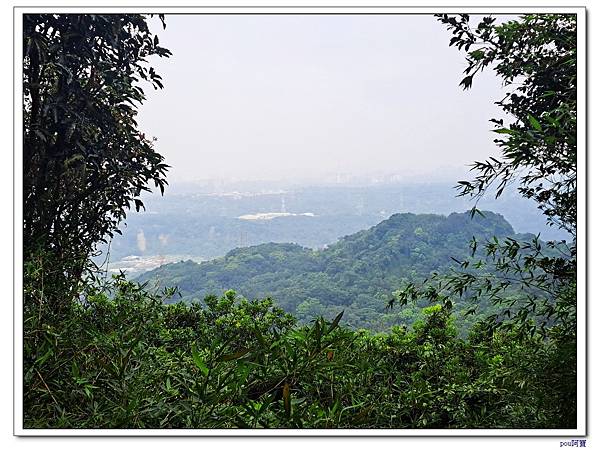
column 84, row 159
column 124, row 359
column 535, row 57
column 536, row 53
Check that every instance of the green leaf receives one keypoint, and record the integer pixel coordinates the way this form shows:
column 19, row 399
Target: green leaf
column 235, row 355
column 74, row 369
column 534, row 123
column 467, row 82
column 477, row 54
column 504, row 131
column 335, row 322
column 42, row 359
column 267, row 402
column 260, row 337
column 474, row 211
column 198, row 360
column 138, row 205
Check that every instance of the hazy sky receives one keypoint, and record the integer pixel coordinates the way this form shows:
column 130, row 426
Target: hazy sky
column 298, row 97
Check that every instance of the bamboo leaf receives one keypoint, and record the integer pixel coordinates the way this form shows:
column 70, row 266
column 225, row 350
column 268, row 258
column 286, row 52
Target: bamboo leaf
column 335, row 322
column 198, row 360
column 235, row 355
column 534, row 123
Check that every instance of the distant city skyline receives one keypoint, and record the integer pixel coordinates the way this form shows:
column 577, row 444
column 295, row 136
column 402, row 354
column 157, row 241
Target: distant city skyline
column 449, row 175
column 304, row 97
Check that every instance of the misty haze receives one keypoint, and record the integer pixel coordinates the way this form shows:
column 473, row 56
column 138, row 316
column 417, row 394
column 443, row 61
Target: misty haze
column 316, row 97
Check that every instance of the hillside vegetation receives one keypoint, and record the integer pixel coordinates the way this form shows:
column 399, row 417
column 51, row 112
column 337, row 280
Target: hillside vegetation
column 357, row 274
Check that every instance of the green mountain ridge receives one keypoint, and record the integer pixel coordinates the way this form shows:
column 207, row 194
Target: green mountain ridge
column 358, row 273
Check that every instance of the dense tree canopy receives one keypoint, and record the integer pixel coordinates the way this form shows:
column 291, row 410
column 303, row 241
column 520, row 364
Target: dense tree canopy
column 85, row 161
column 237, row 363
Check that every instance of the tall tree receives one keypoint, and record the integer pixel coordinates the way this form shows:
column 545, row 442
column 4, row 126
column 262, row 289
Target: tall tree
column 85, row 160
column 536, row 57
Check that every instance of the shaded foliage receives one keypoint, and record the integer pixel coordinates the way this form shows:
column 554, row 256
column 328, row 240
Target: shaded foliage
column 536, row 57
column 85, row 161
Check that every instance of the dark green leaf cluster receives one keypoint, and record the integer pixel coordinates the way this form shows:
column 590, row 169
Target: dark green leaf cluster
column 85, row 161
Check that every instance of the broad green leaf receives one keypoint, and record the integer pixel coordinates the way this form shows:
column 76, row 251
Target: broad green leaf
column 504, row 131
column 534, row 123
column 335, row 322
column 198, row 360
column 74, row 369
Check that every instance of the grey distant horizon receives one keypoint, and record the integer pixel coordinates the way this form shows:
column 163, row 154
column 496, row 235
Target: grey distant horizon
column 314, row 97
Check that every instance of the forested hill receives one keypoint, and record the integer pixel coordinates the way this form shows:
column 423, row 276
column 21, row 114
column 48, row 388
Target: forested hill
column 357, row 273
